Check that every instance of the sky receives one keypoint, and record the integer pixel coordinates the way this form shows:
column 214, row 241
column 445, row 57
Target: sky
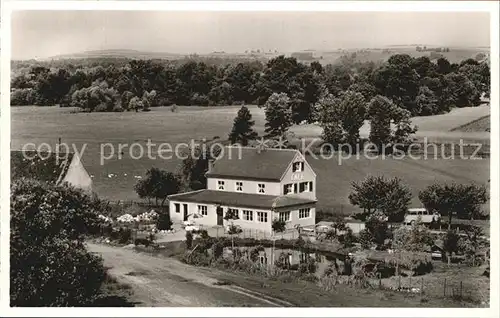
column 41, row 34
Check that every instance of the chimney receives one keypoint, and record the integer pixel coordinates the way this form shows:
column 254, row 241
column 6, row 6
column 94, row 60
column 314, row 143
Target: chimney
column 211, row 163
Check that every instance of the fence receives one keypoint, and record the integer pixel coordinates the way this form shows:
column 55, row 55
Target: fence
column 430, row 287
column 219, row 231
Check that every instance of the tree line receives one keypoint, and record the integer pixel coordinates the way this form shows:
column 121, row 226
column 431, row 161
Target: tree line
column 419, row 85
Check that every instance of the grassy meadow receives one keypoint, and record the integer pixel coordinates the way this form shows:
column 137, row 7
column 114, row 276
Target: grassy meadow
column 116, row 177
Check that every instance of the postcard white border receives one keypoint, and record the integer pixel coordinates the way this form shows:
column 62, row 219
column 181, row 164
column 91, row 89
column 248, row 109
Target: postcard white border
column 465, row 6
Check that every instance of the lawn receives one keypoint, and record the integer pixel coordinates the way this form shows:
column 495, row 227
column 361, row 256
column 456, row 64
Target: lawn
column 116, row 177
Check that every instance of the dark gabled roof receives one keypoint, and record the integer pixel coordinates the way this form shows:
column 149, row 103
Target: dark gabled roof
column 245, row 200
column 248, row 163
column 43, row 166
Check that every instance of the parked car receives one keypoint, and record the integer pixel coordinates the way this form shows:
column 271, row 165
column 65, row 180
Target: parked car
column 426, row 217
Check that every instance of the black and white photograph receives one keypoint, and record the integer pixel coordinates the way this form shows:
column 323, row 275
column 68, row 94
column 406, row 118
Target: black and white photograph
column 250, row 158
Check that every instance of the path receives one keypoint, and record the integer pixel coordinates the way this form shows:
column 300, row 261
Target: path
column 167, row 282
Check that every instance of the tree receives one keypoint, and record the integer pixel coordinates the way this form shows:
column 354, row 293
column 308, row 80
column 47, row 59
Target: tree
column 398, row 81
column 242, row 131
column 232, row 215
column 342, row 117
column 462, row 90
column 278, row 115
column 382, row 112
column 157, row 184
column 98, row 97
column 401, row 134
column 427, row 102
column 451, row 244
column 148, row 100
column 379, row 113
column 472, row 243
column 462, row 200
column 49, row 265
column 443, row 66
column 417, row 238
column 366, row 89
column 135, row 103
column 125, row 99
column 377, row 194
column 278, row 226
column 192, row 170
column 376, row 225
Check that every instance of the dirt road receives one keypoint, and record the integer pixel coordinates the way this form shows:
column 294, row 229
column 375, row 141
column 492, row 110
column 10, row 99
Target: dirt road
column 168, row 282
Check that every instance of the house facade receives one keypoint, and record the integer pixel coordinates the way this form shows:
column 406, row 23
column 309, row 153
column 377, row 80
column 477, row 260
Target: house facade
column 260, row 185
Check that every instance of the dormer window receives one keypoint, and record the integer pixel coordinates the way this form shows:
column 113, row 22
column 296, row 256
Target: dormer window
column 305, row 187
column 239, row 186
column 298, row 166
column 220, row 185
column 261, row 188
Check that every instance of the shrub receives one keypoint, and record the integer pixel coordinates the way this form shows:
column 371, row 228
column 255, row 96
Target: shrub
column 189, row 240
column 283, row 261
column 348, row 239
column 49, row 265
column 255, row 251
column 124, row 235
column 218, row 250
column 308, row 267
column 197, row 258
column 142, row 241
column 163, row 222
column 278, row 226
column 202, row 233
column 365, row 239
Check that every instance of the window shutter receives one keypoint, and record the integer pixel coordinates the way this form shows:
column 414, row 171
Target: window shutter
column 302, row 166
column 295, row 188
column 310, row 186
column 284, row 189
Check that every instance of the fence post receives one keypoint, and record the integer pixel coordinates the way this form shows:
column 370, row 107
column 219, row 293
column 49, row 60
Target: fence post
column 399, row 282
column 460, row 289
column 444, row 289
column 409, row 283
column 422, row 286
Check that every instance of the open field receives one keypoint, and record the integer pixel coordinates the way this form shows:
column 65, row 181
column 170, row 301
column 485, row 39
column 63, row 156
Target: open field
column 455, row 55
column 116, row 177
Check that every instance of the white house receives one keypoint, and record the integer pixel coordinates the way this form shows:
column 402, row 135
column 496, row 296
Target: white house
column 259, row 184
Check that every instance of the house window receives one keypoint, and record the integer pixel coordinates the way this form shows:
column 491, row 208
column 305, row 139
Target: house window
column 298, row 166
column 233, row 212
column 304, row 187
column 262, row 217
column 239, row 186
column 263, row 259
column 304, row 213
column 288, row 188
column 247, row 215
column 203, row 210
column 177, row 208
column 284, row 216
column 261, row 188
column 220, row 184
